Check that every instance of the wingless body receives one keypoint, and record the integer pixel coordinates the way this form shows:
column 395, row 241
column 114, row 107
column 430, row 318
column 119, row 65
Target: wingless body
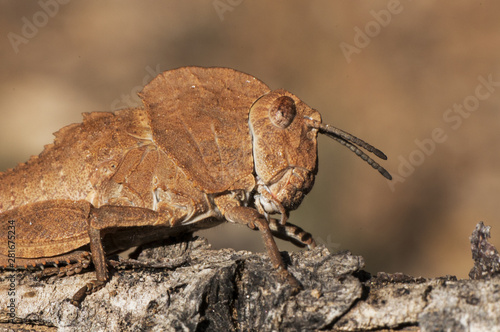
column 210, row 145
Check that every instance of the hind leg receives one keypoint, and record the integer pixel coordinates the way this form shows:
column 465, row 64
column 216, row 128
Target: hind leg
column 107, row 217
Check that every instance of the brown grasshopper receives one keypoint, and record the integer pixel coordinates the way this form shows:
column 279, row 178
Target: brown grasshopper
column 209, row 145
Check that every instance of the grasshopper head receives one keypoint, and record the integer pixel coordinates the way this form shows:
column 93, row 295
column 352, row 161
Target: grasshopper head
column 284, row 136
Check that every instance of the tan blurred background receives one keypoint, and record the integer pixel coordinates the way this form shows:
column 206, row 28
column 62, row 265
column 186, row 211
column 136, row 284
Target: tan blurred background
column 392, row 84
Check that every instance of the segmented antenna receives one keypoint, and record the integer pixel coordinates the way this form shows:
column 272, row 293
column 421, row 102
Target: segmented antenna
column 350, row 142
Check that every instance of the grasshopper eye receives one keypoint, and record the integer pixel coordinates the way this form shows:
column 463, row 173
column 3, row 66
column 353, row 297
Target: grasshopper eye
column 282, row 112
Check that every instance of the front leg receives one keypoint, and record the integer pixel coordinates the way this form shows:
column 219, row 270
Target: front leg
column 252, row 218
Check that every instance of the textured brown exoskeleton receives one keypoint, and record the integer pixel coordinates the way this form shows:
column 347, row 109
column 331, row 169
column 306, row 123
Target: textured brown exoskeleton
column 210, row 145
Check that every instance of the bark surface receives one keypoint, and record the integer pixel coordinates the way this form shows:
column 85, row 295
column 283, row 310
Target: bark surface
column 186, row 286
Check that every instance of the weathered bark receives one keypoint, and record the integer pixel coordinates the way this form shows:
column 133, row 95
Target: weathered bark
column 192, row 287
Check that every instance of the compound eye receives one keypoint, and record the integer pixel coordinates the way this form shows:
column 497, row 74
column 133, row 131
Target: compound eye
column 282, row 112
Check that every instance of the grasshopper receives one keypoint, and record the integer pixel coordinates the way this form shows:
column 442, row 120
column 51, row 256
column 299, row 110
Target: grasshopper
column 209, row 145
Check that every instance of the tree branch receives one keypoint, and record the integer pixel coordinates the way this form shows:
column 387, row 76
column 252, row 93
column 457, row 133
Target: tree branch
column 188, row 286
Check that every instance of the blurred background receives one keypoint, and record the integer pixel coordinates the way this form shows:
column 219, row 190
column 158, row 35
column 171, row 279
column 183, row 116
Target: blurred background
column 419, row 80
